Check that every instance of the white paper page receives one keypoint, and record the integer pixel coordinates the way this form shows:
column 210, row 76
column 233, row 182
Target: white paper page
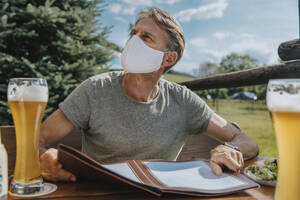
column 124, row 170
column 194, row 174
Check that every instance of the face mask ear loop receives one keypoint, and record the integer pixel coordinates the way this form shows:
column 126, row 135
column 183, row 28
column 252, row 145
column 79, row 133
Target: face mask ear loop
column 165, row 51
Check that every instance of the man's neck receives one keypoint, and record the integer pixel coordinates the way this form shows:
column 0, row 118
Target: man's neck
column 141, row 87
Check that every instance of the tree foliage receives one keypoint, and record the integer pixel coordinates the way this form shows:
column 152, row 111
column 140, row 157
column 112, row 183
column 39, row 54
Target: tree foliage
column 206, row 68
column 235, row 62
column 61, row 41
column 230, row 63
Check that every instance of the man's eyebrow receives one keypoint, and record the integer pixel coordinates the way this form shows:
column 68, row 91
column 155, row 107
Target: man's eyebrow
column 148, row 33
column 133, row 30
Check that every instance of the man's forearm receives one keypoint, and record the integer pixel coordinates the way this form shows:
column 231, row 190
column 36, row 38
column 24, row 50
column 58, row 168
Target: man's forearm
column 247, row 146
column 54, row 128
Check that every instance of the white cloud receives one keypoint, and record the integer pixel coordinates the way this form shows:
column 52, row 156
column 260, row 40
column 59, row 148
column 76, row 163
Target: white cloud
column 186, row 66
column 186, row 52
column 199, row 42
column 119, row 9
column 212, row 10
column 273, row 58
column 121, row 19
column 203, row 49
column 221, row 35
column 170, row 2
column 118, row 56
column 115, row 8
column 138, row 2
column 128, row 7
column 217, row 53
column 250, row 44
column 149, row 2
column 129, row 10
column 248, row 35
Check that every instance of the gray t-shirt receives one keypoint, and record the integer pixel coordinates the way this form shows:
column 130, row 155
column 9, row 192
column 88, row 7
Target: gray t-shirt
column 117, row 127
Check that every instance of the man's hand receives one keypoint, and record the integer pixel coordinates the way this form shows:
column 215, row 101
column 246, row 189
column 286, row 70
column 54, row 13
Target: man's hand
column 52, row 170
column 225, row 156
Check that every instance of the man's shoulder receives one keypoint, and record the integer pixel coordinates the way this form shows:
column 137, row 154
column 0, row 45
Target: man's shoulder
column 174, row 87
column 107, row 78
column 180, row 92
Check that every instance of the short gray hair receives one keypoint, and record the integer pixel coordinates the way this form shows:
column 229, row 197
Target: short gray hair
column 168, row 23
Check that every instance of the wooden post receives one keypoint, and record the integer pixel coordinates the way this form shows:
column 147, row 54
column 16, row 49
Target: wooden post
column 299, row 16
column 256, row 76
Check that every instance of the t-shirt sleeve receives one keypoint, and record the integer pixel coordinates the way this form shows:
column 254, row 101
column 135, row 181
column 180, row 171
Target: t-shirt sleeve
column 198, row 113
column 76, row 106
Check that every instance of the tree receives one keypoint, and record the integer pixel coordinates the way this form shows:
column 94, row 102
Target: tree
column 61, row 41
column 230, row 63
column 205, row 69
column 234, row 62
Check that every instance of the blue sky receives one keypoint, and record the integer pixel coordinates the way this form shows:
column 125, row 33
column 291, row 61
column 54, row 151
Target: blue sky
column 214, row 28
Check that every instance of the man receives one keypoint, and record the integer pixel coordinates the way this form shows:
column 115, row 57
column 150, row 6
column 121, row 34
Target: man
column 138, row 115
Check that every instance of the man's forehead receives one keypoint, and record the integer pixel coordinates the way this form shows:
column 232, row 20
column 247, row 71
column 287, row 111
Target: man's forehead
column 149, row 25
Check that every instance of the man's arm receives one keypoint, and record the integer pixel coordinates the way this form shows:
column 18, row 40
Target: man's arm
column 54, row 128
column 223, row 130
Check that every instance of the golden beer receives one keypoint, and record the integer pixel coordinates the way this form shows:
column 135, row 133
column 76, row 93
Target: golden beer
column 27, row 99
column 287, row 132
column 27, row 119
column 283, row 98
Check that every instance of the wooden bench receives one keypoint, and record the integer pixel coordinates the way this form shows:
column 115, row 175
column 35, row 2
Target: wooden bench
column 197, row 146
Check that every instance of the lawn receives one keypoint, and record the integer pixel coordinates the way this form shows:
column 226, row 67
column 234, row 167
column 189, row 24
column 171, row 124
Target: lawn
column 177, row 78
column 254, row 120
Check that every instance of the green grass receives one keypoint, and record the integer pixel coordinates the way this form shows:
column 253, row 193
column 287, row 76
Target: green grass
column 177, row 78
column 254, row 120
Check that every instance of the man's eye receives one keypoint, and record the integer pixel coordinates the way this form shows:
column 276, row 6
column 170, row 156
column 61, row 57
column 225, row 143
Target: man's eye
column 146, row 37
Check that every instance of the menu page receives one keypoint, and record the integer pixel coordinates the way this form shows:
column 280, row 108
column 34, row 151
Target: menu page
column 124, row 170
column 192, row 174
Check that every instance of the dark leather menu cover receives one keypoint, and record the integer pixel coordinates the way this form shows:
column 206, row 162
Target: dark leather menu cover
column 155, row 176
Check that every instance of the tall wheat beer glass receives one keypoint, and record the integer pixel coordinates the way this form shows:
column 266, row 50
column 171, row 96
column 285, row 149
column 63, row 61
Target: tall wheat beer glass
column 27, row 99
column 283, row 99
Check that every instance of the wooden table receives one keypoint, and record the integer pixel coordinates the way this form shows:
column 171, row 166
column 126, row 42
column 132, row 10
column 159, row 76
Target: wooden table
column 93, row 190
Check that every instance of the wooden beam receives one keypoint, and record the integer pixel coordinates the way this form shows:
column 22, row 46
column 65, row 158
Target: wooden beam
column 256, row 76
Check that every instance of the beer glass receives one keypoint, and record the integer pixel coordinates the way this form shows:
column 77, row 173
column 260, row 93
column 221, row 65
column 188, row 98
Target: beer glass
column 283, row 100
column 27, row 99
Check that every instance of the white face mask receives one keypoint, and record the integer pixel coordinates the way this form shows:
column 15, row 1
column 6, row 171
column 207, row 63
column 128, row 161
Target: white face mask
column 137, row 57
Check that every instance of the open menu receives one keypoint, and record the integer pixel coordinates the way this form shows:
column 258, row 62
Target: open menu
column 156, row 176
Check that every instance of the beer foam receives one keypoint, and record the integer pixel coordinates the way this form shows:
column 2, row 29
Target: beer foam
column 27, row 93
column 284, row 95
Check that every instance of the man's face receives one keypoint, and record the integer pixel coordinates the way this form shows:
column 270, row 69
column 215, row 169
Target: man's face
column 152, row 35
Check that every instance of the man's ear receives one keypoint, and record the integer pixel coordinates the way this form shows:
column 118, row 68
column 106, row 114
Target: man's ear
column 169, row 59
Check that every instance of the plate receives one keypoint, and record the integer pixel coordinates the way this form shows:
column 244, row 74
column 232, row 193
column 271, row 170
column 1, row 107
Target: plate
column 250, row 175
